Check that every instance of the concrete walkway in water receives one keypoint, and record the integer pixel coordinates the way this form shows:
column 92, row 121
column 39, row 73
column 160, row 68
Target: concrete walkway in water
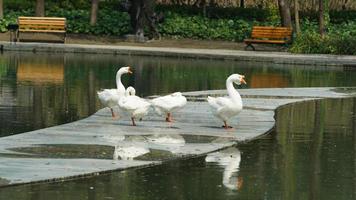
column 87, row 147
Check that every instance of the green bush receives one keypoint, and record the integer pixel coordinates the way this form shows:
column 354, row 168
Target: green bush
column 311, row 42
column 18, row 4
column 339, row 17
column 345, row 45
column 339, row 39
column 200, row 27
column 336, row 17
column 109, row 22
column 221, row 13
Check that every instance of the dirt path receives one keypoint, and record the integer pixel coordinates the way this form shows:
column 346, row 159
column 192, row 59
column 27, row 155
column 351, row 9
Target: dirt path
column 165, row 42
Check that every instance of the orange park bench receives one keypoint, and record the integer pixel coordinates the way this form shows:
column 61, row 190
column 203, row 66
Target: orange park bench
column 269, row 35
column 47, row 25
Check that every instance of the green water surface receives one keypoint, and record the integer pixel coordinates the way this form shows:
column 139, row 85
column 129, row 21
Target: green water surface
column 311, row 154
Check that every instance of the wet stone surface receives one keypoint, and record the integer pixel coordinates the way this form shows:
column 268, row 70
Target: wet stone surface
column 100, row 144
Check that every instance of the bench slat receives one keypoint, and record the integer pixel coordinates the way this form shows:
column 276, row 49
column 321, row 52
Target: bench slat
column 265, row 41
column 271, row 32
column 55, row 25
column 41, row 26
column 269, row 27
column 276, row 34
column 41, row 22
column 43, row 18
column 42, row 30
column 272, row 37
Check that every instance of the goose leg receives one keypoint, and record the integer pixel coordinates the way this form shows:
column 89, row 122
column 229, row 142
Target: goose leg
column 112, row 113
column 133, row 121
column 226, row 126
column 114, row 116
column 169, row 118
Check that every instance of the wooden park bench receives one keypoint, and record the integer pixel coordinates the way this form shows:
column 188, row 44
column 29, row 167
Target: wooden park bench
column 52, row 25
column 269, row 35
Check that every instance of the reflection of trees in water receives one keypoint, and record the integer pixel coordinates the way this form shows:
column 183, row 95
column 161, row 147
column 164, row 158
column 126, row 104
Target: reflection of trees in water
column 170, row 75
column 8, row 94
column 311, row 155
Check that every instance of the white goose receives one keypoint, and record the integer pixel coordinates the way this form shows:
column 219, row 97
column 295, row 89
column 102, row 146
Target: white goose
column 110, row 97
column 135, row 106
column 168, row 104
column 226, row 107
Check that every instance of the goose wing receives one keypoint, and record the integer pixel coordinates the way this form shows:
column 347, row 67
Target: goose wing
column 219, row 102
column 169, row 102
column 133, row 103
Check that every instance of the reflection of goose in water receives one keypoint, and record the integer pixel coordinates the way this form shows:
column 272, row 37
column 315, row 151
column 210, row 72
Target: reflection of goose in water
column 113, row 139
column 122, row 152
column 172, row 143
column 230, row 160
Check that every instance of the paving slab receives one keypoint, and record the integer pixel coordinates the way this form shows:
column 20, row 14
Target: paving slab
column 99, row 144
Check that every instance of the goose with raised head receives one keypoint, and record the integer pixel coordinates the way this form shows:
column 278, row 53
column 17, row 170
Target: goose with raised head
column 226, row 107
column 168, row 104
column 110, row 97
column 135, row 106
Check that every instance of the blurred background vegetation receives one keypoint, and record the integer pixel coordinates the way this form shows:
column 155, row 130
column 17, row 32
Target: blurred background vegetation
column 228, row 20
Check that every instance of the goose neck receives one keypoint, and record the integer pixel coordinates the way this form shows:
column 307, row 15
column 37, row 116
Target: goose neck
column 119, row 85
column 233, row 93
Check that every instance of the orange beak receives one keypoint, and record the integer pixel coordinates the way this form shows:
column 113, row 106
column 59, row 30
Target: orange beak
column 242, row 80
column 129, row 71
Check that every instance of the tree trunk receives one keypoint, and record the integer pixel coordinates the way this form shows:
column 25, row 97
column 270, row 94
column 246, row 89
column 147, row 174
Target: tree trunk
column 284, row 10
column 296, row 17
column 40, row 8
column 136, row 16
column 94, row 12
column 314, row 5
column 142, row 14
column 323, row 16
column 242, row 3
column 1, row 9
column 344, row 5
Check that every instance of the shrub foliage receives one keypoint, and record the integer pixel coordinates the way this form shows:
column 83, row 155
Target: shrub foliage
column 230, row 24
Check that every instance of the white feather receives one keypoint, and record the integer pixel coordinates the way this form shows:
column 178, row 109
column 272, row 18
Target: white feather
column 169, row 103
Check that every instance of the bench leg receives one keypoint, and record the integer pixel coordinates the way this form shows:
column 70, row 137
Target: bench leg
column 64, row 37
column 18, row 36
column 250, row 45
column 285, row 47
column 11, row 36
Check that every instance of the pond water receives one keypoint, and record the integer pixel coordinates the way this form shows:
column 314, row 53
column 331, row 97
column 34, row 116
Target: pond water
column 311, row 155
column 41, row 90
